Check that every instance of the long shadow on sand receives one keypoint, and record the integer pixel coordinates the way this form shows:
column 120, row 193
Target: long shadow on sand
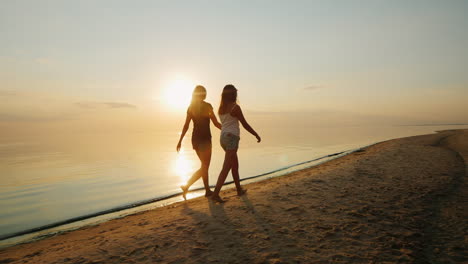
column 219, row 239
column 277, row 245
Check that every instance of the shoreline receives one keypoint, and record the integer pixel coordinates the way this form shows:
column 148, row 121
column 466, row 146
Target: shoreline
column 52, row 229
column 39, row 232
column 400, row 200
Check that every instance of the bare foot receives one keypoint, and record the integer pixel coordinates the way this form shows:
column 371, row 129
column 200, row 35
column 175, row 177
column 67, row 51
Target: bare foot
column 241, row 192
column 217, row 199
column 184, row 192
column 208, row 193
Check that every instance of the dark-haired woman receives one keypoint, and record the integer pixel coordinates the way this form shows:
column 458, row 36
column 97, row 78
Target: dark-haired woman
column 200, row 112
column 231, row 114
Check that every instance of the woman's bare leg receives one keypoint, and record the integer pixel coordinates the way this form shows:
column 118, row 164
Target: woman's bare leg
column 205, row 159
column 235, row 175
column 228, row 161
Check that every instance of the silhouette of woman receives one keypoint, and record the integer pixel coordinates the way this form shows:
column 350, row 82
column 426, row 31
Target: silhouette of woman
column 230, row 114
column 200, row 112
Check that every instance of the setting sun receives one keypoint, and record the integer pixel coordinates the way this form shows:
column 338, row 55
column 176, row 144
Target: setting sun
column 178, row 93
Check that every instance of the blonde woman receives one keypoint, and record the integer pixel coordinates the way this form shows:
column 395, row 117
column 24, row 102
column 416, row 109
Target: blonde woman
column 200, row 112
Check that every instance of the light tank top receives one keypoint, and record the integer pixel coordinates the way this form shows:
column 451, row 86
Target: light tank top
column 230, row 124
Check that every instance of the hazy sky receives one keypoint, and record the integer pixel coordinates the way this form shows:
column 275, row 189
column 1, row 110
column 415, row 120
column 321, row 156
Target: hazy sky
column 403, row 60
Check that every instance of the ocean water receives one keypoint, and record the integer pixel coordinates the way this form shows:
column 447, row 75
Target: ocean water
column 45, row 180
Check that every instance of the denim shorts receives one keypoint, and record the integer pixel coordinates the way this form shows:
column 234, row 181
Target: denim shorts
column 229, row 141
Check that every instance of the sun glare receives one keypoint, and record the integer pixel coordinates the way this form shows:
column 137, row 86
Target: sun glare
column 183, row 166
column 178, row 93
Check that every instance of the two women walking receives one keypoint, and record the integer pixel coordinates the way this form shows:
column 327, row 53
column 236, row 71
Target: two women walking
column 230, row 113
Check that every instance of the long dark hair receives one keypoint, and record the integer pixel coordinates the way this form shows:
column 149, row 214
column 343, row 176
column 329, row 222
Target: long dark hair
column 229, row 95
column 198, row 95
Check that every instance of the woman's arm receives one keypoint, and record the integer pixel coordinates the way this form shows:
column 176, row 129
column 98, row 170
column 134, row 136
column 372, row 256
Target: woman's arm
column 184, row 130
column 237, row 112
column 214, row 119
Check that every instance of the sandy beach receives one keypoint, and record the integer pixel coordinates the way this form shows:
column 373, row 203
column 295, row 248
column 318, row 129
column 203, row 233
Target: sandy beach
column 400, row 201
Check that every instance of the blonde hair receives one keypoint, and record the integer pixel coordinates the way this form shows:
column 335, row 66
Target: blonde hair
column 198, row 95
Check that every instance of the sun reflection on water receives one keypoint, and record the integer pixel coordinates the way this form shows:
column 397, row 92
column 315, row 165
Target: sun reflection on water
column 183, row 167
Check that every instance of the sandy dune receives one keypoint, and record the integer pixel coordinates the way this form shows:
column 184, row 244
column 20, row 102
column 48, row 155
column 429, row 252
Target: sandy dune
column 401, row 201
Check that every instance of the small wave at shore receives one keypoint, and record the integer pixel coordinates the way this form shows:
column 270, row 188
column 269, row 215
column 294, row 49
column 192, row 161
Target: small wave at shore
column 43, row 231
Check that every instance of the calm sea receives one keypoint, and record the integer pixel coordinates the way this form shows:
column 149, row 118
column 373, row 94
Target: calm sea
column 52, row 179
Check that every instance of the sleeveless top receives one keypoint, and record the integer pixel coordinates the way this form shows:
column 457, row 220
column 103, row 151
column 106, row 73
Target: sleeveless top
column 200, row 114
column 230, row 124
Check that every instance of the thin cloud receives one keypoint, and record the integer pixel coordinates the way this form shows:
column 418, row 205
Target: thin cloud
column 21, row 118
column 87, row 105
column 95, row 105
column 7, row 93
column 313, row 87
column 119, row 105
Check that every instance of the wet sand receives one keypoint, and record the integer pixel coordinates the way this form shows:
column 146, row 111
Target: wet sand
column 400, row 201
